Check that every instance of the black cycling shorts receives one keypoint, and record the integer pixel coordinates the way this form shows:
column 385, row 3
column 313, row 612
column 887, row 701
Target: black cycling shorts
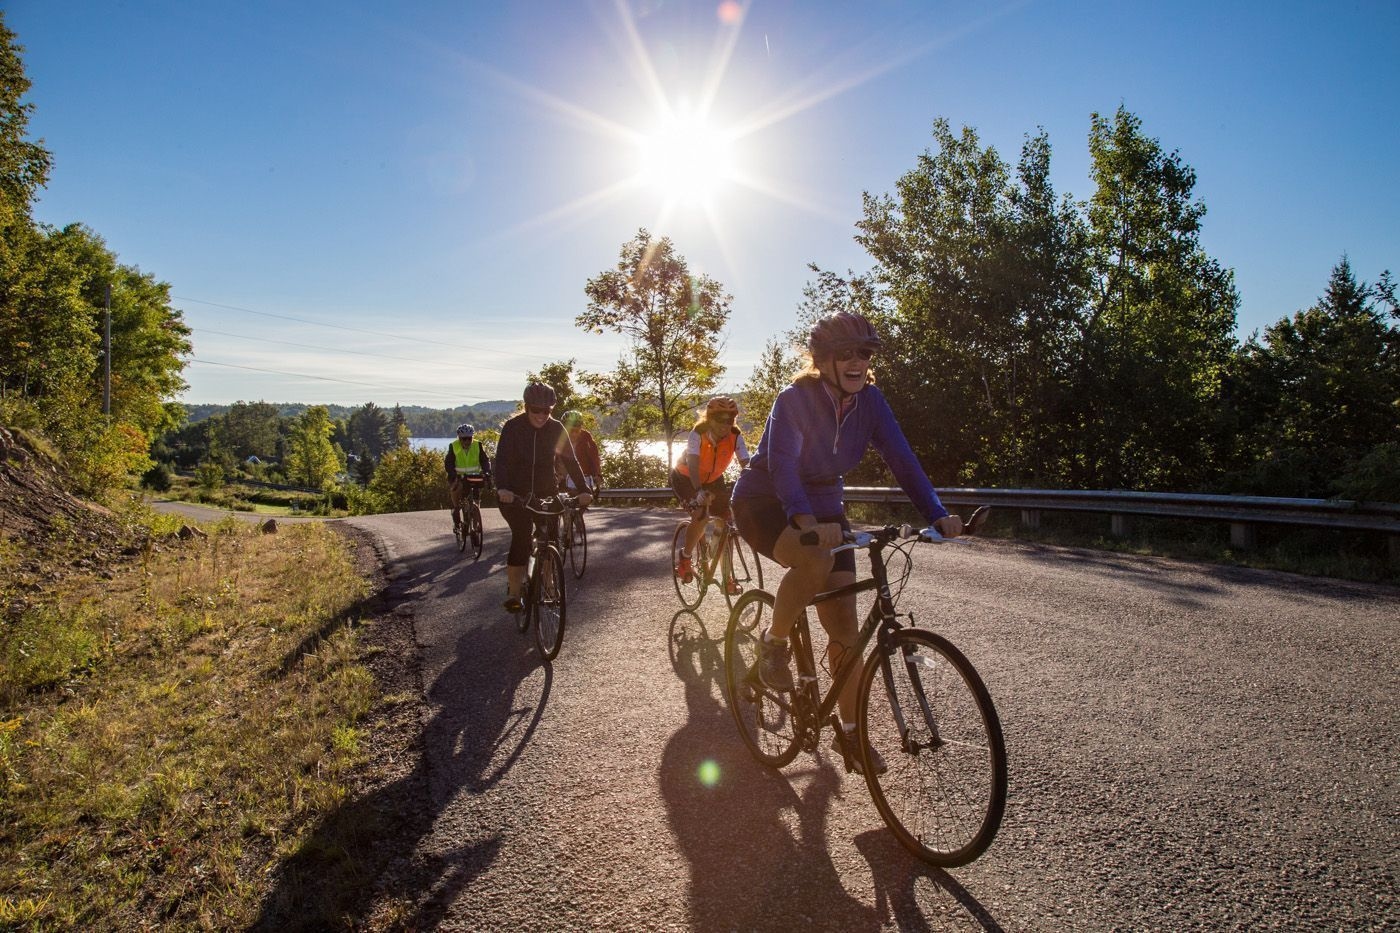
column 761, row 520
column 719, row 492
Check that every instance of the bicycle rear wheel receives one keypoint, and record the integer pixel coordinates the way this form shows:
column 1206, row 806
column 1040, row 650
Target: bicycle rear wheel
column 924, row 709
column 474, row 535
column 742, row 567
column 459, row 533
column 547, row 610
column 766, row 719
column 577, row 536
column 689, row 591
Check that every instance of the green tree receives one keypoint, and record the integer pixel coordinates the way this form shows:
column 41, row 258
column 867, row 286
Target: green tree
column 672, row 320
column 409, row 480
column 250, row 429
column 1317, row 397
column 559, row 376
column 369, row 431
column 312, row 460
column 1160, row 329
column 774, row 371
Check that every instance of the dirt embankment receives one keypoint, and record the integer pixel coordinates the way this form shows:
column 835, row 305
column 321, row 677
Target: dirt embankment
column 45, row 529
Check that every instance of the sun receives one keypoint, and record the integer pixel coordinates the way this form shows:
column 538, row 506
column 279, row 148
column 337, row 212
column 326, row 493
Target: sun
column 686, row 160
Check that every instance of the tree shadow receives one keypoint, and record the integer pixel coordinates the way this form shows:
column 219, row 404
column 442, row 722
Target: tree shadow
column 364, row 856
column 748, row 833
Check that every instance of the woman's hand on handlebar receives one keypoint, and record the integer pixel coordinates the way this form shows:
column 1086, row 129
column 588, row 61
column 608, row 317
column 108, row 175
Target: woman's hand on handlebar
column 949, row 526
column 584, row 500
column 818, row 534
column 505, row 496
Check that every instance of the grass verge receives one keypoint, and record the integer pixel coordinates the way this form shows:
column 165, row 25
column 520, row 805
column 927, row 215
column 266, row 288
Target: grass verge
column 172, row 727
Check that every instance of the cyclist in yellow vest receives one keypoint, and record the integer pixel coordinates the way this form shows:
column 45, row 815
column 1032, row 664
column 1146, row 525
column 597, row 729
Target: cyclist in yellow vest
column 699, row 476
column 468, row 469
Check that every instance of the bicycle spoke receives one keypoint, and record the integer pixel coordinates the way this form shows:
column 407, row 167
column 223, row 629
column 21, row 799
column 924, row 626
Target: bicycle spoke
column 767, row 720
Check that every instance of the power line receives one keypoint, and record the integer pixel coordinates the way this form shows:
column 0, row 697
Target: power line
column 384, row 356
column 357, row 330
column 371, row 385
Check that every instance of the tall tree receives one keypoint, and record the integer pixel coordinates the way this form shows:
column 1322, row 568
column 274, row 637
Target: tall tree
column 312, row 460
column 559, row 376
column 251, row 429
column 773, row 372
column 1160, row 330
column 370, row 432
column 1319, row 392
column 673, row 322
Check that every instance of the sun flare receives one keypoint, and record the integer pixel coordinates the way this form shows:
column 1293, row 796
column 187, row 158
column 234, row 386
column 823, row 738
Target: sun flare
column 686, row 160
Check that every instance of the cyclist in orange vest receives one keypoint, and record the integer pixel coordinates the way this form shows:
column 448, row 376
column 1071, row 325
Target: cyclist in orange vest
column 713, row 443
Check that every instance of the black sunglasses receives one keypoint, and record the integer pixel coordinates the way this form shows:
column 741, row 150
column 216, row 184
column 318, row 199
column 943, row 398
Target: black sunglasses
column 538, row 410
column 851, row 353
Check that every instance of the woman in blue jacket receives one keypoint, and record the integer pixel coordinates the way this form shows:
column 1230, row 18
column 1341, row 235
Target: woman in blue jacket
column 819, row 429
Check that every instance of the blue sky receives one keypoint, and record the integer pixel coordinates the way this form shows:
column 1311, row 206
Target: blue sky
column 405, row 200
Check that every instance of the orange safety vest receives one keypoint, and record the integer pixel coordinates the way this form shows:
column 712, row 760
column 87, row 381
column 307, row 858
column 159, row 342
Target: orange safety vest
column 719, row 454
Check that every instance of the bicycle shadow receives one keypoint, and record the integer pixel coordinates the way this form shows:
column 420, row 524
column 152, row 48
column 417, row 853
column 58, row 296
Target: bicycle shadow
column 746, row 832
column 901, row 900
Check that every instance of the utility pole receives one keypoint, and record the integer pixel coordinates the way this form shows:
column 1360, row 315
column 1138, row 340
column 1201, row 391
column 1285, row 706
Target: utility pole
column 107, row 355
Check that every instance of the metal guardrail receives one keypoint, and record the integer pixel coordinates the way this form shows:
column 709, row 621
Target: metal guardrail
column 1242, row 512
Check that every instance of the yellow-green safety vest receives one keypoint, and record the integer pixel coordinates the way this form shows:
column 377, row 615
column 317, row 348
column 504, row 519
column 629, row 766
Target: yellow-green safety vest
column 468, row 460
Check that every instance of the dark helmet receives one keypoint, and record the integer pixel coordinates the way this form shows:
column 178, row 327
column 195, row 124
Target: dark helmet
column 539, row 395
column 572, row 418
column 843, row 330
column 465, row 430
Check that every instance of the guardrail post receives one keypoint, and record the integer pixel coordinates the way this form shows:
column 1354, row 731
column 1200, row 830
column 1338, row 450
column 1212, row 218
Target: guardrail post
column 1121, row 525
column 1030, row 518
column 1394, row 550
column 1243, row 536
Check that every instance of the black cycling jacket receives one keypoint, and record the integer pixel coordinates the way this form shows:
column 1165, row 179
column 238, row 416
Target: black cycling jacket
column 524, row 461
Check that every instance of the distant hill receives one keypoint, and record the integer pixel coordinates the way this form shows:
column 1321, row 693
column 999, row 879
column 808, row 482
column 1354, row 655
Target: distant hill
column 422, row 421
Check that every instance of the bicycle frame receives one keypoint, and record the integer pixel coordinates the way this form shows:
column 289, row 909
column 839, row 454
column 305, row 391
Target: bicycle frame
column 879, row 620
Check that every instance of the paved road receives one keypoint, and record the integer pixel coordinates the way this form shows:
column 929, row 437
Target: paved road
column 1190, row 747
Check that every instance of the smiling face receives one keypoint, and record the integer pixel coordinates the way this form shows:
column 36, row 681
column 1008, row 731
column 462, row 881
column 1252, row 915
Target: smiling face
column 538, row 415
column 847, row 370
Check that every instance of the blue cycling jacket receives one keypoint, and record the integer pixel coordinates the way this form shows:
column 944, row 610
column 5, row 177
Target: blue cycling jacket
column 805, row 452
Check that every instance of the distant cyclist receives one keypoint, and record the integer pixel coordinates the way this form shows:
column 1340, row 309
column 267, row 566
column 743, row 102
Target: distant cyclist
column 713, row 444
column 468, row 470
column 585, row 450
column 525, row 470
column 819, row 429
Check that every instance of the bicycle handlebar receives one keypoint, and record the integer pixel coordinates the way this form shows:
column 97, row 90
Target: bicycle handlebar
column 883, row 536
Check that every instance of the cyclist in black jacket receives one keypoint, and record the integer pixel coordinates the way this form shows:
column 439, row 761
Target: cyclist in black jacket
column 524, row 470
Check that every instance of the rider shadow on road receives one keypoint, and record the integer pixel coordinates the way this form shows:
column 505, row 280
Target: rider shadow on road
column 366, row 859
column 747, row 832
column 907, row 891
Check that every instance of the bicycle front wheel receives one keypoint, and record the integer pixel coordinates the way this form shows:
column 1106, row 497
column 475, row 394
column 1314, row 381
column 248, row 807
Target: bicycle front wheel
column 474, row 534
column 742, row 571
column 690, row 589
column 547, row 610
column 766, row 718
column 578, row 545
column 925, row 711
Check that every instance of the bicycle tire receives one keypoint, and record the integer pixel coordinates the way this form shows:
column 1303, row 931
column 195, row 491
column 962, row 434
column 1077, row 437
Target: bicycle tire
column 765, row 718
column 474, row 532
column 690, row 592
column 578, row 545
column 944, row 792
column 741, row 566
column 459, row 533
column 527, row 612
column 549, row 608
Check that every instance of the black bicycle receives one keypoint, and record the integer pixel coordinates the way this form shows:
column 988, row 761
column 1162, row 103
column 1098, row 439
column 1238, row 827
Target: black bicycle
column 545, row 603
column 573, row 537
column 466, row 526
column 923, row 712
